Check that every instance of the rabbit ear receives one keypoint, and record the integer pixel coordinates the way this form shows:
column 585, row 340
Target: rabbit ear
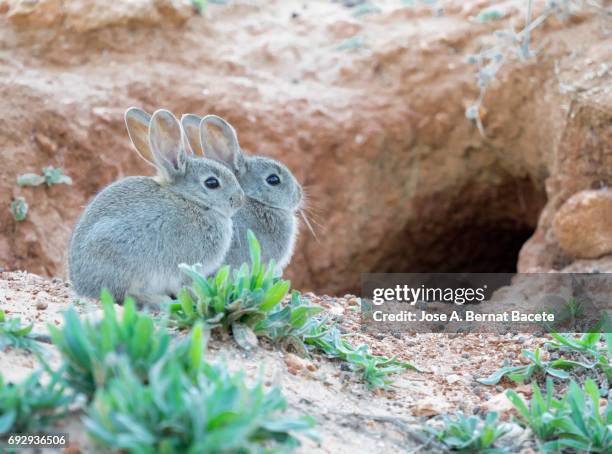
column 166, row 140
column 191, row 128
column 137, row 123
column 220, row 142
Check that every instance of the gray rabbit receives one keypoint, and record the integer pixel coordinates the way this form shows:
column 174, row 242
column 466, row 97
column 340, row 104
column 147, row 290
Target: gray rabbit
column 273, row 195
column 133, row 235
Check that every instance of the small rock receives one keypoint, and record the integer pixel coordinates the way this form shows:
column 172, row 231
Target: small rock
column 295, row 364
column 337, row 310
column 431, row 406
column 499, row 403
column 525, row 389
column 465, row 355
column 582, row 225
column 41, row 301
column 453, row 378
column 353, row 302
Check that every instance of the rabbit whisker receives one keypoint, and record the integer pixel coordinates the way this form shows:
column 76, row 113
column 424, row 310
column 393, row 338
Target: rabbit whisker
column 307, row 222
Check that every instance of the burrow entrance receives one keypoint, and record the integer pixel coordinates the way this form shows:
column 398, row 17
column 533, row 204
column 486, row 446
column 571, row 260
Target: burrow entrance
column 476, row 229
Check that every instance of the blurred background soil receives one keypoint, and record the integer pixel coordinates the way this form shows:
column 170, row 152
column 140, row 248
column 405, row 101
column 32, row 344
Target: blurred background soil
column 366, row 109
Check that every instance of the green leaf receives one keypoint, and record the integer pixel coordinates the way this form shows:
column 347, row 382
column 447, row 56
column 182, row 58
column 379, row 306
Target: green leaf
column 23, row 331
column 275, row 295
column 187, row 304
column 222, row 276
column 30, row 179
column 496, row 376
column 54, row 175
column 19, row 208
column 254, row 251
column 244, row 336
column 489, row 14
column 557, row 373
column 518, row 403
column 7, row 420
column 196, row 349
column 199, row 5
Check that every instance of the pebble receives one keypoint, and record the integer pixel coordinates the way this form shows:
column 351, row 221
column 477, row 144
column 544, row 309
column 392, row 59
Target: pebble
column 465, row 355
column 41, row 300
column 499, row 388
column 294, row 363
column 353, row 302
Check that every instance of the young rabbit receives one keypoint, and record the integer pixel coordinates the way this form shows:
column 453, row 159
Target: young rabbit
column 133, row 235
column 273, row 195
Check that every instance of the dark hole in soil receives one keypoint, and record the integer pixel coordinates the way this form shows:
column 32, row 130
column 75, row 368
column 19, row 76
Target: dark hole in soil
column 481, row 248
column 480, row 230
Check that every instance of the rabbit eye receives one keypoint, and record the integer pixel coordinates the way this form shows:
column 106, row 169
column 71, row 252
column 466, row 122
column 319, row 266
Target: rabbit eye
column 273, row 180
column 212, row 183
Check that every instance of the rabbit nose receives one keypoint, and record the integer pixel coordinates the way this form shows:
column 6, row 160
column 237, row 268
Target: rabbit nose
column 237, row 199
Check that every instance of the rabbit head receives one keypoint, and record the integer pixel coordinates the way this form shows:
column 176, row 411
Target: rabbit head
column 158, row 139
column 263, row 179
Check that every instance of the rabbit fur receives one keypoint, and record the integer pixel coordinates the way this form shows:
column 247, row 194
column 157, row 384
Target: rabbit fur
column 270, row 210
column 132, row 236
